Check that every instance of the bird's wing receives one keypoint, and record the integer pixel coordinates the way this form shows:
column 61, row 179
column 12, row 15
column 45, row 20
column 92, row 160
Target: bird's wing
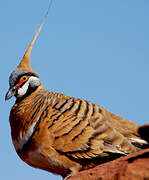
column 81, row 130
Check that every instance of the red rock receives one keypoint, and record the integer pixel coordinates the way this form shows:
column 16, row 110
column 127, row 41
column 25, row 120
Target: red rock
column 131, row 167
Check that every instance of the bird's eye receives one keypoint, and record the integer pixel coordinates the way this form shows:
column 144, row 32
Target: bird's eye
column 24, row 78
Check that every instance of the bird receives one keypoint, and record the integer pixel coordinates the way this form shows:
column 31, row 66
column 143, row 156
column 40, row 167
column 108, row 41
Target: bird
column 62, row 134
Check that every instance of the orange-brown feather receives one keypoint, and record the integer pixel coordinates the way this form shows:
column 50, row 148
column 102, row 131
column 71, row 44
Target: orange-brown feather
column 69, row 130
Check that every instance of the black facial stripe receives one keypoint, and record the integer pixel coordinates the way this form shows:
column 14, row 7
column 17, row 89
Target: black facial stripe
column 31, row 74
column 25, row 74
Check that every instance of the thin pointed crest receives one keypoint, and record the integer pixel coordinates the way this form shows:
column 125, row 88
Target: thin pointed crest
column 25, row 62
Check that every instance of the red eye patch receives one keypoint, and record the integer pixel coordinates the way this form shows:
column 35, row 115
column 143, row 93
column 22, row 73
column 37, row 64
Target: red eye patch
column 22, row 80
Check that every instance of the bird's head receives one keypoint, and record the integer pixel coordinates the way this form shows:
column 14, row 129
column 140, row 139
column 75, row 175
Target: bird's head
column 24, row 80
column 22, row 83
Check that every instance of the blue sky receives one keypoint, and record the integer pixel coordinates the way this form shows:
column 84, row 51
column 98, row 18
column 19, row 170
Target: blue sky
column 91, row 49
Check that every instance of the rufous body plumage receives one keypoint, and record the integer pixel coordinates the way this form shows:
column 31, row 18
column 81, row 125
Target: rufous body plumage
column 63, row 134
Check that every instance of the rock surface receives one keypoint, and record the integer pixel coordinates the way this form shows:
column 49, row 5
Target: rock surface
column 131, row 167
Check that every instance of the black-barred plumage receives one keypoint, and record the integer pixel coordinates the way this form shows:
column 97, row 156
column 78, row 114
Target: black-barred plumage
column 77, row 129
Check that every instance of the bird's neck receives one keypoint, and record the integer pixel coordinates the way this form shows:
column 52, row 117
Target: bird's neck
column 24, row 115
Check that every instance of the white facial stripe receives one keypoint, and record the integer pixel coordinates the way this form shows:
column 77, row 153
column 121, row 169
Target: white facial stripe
column 22, row 90
column 32, row 78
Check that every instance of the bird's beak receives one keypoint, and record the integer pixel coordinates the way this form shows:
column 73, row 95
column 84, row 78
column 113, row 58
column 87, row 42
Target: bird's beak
column 11, row 92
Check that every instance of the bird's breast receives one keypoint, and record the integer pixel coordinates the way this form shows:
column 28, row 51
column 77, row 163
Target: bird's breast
column 23, row 137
